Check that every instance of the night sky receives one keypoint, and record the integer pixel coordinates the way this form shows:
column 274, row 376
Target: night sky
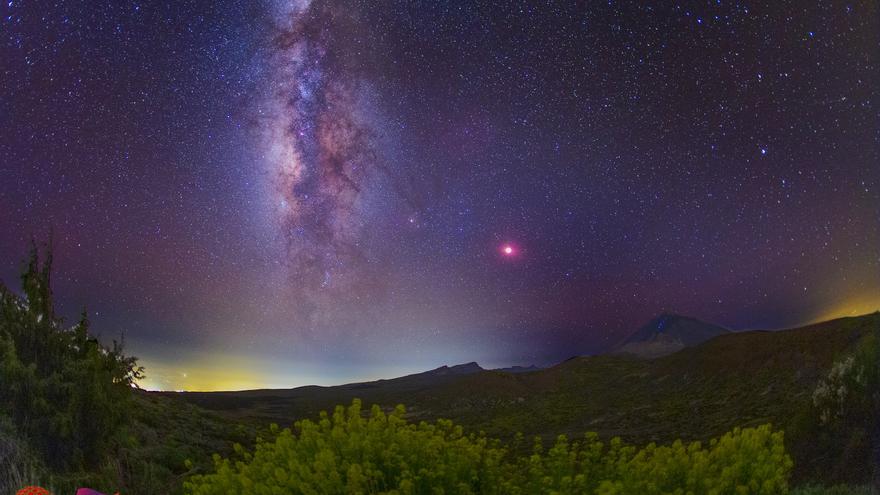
column 274, row 194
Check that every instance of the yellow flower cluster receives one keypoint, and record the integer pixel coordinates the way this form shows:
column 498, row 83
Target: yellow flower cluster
column 347, row 452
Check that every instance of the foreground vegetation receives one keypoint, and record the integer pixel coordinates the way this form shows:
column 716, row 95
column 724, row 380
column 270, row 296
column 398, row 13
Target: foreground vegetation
column 347, row 453
column 62, row 394
column 835, row 490
column 70, row 415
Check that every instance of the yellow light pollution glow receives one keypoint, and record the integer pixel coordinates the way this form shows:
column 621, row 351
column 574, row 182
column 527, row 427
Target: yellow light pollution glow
column 220, row 371
column 204, row 372
column 855, row 306
column 856, row 293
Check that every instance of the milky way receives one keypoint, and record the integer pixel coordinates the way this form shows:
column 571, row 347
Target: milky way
column 322, row 159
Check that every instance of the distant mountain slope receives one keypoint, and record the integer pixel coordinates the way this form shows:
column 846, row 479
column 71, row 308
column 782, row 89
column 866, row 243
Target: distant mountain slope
column 519, row 369
column 272, row 403
column 666, row 334
column 459, row 369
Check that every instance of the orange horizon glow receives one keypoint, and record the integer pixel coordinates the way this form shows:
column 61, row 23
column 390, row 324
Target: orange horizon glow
column 856, row 306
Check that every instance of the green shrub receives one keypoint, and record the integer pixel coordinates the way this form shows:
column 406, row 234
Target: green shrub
column 348, row 453
column 847, row 406
column 751, row 460
column 834, row 490
column 65, row 393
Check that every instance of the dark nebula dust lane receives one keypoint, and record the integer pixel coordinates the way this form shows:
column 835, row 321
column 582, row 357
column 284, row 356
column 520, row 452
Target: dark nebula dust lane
column 290, row 192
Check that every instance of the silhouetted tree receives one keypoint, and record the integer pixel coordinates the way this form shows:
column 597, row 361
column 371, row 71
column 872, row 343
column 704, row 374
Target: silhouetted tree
column 66, row 393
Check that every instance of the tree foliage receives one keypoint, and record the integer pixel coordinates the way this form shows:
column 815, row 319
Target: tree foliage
column 383, row 453
column 847, row 399
column 64, row 391
column 850, row 389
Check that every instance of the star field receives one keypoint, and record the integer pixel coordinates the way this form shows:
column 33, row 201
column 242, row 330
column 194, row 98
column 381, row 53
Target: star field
column 282, row 193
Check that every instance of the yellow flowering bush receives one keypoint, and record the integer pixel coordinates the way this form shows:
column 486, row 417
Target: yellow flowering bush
column 384, row 454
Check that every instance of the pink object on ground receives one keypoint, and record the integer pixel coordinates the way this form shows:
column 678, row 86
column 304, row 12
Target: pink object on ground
column 88, row 491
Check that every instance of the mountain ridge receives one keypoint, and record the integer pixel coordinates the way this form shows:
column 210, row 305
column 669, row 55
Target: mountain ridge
column 666, row 334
